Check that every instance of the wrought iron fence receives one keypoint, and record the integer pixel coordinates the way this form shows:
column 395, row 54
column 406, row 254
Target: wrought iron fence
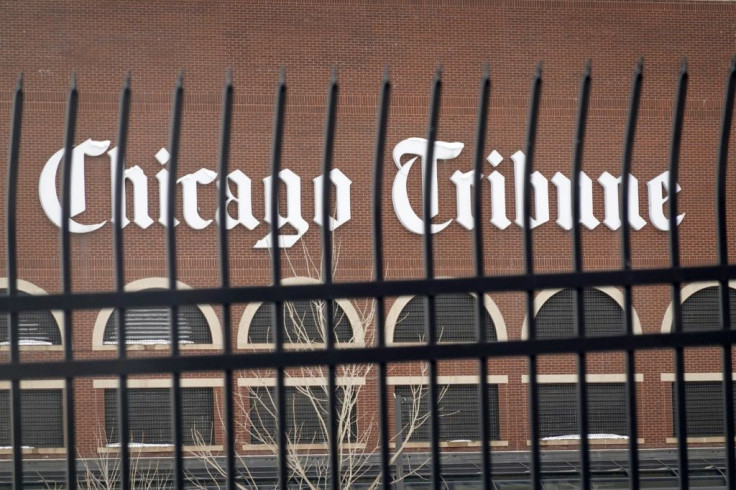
column 380, row 353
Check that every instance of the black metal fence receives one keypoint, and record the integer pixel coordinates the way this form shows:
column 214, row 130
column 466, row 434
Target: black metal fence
column 378, row 354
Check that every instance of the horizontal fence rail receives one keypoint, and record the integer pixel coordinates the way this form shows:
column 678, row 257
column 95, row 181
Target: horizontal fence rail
column 492, row 468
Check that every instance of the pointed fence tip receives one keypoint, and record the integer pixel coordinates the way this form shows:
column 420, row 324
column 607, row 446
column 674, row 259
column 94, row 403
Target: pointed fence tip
column 126, row 80
column 386, row 74
column 683, row 65
column 540, row 66
column 229, row 76
column 282, row 75
column 333, row 75
column 640, row 65
column 180, row 78
column 587, row 68
column 487, row 70
column 438, row 72
column 19, row 85
column 733, row 62
column 73, row 85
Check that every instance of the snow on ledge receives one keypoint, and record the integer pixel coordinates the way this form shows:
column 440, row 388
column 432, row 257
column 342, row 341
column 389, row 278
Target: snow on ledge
column 590, row 436
column 138, row 444
column 28, row 342
column 146, row 342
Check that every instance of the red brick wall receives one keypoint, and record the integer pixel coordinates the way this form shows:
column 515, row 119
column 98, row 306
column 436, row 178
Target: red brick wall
column 47, row 40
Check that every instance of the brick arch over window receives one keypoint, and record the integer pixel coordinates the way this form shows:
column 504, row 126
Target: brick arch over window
column 38, row 329
column 405, row 319
column 255, row 329
column 554, row 313
column 199, row 327
column 701, row 307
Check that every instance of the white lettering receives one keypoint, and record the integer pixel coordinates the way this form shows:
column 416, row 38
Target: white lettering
column 163, row 187
column 342, row 199
column 47, row 185
column 402, row 208
column 140, row 193
column 611, row 199
column 245, row 210
column 540, row 193
column 189, row 183
column 293, row 210
column 498, row 193
column 657, row 186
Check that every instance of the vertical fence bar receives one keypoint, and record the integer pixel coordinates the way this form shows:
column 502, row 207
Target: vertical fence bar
column 480, row 138
column 119, row 250
column 531, row 136
column 333, row 429
column 278, row 324
column 176, row 409
column 66, row 280
column 430, row 314
column 721, row 182
column 674, row 243
column 628, row 148
column 225, row 130
column 577, row 257
column 380, row 146
column 12, row 267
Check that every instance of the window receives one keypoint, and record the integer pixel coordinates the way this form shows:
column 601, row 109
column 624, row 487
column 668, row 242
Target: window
column 150, row 326
column 702, row 310
column 150, row 416
column 459, row 412
column 558, row 410
column 455, row 314
column 555, row 318
column 41, row 418
column 303, row 323
column 34, row 327
column 306, row 415
column 703, row 400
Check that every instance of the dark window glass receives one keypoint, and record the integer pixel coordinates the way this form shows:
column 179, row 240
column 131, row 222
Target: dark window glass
column 34, row 327
column 150, row 415
column 455, row 315
column 41, row 418
column 459, row 412
column 555, row 319
column 702, row 310
column 558, row 409
column 151, row 326
column 306, row 415
column 704, row 407
column 303, row 322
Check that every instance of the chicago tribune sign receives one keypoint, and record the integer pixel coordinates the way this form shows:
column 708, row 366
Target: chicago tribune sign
column 239, row 192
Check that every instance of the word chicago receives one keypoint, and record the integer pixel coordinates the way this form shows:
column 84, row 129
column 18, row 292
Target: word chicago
column 238, row 193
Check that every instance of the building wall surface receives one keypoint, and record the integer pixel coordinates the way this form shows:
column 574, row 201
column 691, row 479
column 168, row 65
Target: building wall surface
column 46, row 41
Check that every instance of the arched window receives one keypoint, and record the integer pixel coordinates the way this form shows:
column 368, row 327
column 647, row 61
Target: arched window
column 455, row 315
column 198, row 325
column 555, row 319
column 150, row 326
column 702, row 310
column 35, row 328
column 303, row 323
column 606, row 402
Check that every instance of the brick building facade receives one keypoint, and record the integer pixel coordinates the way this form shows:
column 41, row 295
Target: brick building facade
column 47, row 40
